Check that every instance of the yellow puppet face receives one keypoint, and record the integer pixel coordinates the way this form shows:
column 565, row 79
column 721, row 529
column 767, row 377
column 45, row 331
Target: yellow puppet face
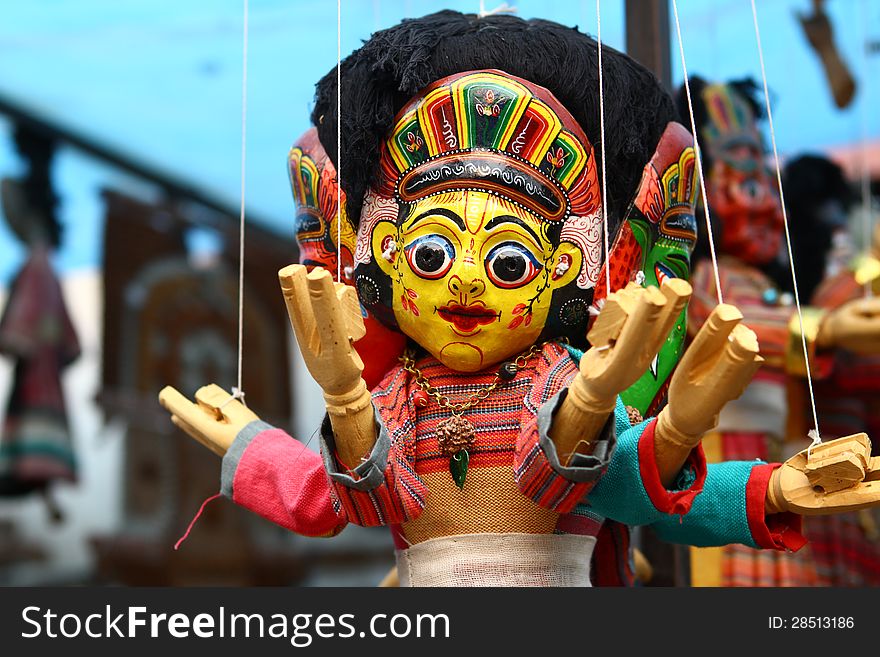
column 472, row 276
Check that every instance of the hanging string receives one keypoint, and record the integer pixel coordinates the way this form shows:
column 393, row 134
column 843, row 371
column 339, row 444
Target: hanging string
column 192, row 523
column 238, row 391
column 814, row 434
column 698, row 154
column 867, row 205
column 339, row 140
column 338, row 172
column 602, row 146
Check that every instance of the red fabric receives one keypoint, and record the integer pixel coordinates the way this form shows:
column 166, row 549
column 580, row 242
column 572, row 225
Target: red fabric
column 779, row 531
column 400, row 542
column 611, row 563
column 382, row 505
column 665, row 501
column 581, row 525
column 281, row 480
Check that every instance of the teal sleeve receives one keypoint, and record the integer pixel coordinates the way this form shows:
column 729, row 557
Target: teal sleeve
column 624, row 495
column 718, row 515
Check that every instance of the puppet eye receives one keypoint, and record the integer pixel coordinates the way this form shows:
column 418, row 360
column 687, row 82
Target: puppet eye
column 430, row 256
column 662, row 272
column 511, row 265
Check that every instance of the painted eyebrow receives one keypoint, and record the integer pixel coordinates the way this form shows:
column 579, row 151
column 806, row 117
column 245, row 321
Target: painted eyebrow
column 510, row 219
column 443, row 212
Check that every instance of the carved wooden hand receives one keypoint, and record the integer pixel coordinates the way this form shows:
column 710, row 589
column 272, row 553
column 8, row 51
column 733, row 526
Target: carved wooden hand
column 326, row 319
column 715, row 369
column 854, row 326
column 833, row 477
column 625, row 338
column 214, row 420
column 627, row 335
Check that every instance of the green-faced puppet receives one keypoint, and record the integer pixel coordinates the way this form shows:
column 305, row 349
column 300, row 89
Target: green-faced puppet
column 655, row 242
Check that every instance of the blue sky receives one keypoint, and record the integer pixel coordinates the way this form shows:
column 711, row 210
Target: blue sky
column 161, row 80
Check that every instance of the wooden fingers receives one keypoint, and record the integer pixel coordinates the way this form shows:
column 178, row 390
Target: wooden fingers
column 712, row 337
column 652, row 319
column 211, row 399
column 738, row 362
column 327, row 311
column 609, row 323
column 640, row 316
column 351, row 311
column 296, row 297
column 677, row 292
column 836, row 476
column 636, row 340
column 198, row 420
column 839, row 464
column 174, row 402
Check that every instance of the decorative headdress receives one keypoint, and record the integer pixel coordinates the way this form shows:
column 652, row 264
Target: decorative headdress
column 314, row 186
column 731, row 119
column 492, row 132
column 743, row 198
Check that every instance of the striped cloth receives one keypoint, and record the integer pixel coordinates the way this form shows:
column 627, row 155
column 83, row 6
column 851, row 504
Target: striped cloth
column 506, row 436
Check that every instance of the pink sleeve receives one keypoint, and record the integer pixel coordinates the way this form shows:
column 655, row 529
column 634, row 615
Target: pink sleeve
column 280, row 479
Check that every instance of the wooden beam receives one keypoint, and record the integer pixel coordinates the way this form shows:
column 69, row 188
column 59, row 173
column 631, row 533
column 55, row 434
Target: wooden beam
column 647, row 37
column 175, row 187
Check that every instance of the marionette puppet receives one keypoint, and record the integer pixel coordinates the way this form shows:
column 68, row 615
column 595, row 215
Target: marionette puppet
column 36, row 331
column 491, row 454
column 745, row 207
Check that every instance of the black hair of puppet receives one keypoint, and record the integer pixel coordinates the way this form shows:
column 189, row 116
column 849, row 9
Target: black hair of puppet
column 817, row 200
column 394, row 64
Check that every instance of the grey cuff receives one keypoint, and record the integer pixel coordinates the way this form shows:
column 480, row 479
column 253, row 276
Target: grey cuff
column 370, row 472
column 582, row 467
column 236, row 450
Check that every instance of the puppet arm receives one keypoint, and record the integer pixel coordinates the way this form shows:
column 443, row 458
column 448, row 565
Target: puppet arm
column 707, row 505
column 631, row 491
column 832, row 477
column 730, row 510
column 714, row 370
column 326, row 319
column 264, row 469
column 358, row 455
column 626, row 336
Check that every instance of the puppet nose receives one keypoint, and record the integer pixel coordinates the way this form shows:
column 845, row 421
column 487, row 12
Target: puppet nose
column 472, row 288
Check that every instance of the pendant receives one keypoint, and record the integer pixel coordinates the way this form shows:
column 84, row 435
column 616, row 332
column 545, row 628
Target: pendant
column 458, row 465
column 455, row 435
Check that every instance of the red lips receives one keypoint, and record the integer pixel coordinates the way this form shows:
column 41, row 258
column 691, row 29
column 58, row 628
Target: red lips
column 467, row 318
